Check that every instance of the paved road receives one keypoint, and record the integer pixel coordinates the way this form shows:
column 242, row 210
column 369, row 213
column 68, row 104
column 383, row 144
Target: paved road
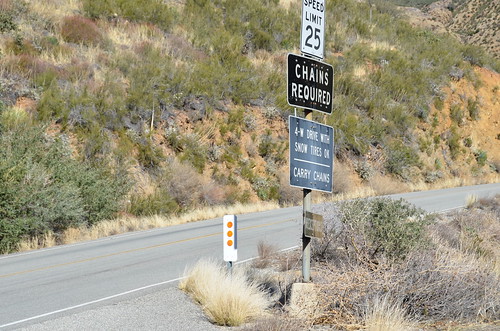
column 73, row 279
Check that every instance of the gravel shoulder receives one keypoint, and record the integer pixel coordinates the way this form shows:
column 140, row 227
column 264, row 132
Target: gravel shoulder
column 165, row 309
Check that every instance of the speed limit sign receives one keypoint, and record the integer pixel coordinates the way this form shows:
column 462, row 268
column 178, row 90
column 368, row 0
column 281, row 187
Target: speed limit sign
column 312, row 35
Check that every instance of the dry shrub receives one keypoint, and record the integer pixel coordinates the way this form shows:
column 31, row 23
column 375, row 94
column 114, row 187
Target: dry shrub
column 32, row 67
column 227, row 298
column 288, row 195
column 266, row 252
column 189, row 188
column 445, row 284
column 6, row 5
column 432, row 285
column 342, row 181
column 492, row 204
column 81, row 30
column 453, row 277
column 384, row 185
column 475, row 232
column 470, row 200
column 289, row 260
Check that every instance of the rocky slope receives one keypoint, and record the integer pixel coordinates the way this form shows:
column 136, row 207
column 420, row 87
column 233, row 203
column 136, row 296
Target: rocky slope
column 474, row 22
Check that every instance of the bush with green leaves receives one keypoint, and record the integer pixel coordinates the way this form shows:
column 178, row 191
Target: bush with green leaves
column 150, row 11
column 42, row 188
column 9, row 13
column 453, row 142
column 400, row 159
column 373, row 229
column 481, row 157
column 7, row 22
column 160, row 202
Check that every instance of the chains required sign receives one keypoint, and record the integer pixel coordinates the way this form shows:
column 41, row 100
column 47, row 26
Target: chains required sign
column 310, row 83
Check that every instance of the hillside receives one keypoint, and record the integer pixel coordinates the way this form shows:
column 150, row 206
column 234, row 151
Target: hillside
column 118, row 108
column 474, row 22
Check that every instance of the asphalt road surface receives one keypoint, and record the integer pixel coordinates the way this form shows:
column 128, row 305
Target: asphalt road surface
column 64, row 281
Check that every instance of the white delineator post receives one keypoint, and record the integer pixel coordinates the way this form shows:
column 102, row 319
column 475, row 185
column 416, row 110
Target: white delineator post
column 230, row 241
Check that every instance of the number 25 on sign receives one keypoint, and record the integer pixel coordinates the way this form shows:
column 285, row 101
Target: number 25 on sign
column 313, row 28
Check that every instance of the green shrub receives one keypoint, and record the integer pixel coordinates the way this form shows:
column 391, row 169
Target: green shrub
column 454, row 142
column 375, row 228
column 400, row 158
column 456, row 114
column 158, row 203
column 473, row 108
column 147, row 11
column 7, row 22
column 481, row 157
column 189, row 149
column 266, row 189
column 468, row 142
column 43, row 189
column 149, row 155
column 272, row 148
column 10, row 10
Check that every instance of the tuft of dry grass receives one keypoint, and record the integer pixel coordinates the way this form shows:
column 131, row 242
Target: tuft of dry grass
column 470, row 200
column 227, row 297
column 384, row 315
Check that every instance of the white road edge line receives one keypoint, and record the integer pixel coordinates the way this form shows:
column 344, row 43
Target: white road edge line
column 90, row 302
column 114, row 296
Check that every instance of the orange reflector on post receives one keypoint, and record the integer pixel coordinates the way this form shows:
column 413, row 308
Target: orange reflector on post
column 229, row 238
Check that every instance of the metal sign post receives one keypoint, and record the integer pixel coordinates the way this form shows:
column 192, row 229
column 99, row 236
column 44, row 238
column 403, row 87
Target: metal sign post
column 310, row 86
column 306, row 241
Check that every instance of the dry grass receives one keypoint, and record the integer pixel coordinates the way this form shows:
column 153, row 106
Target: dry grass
column 383, row 185
column 384, row 315
column 227, row 298
column 470, row 200
column 47, row 240
column 124, row 34
column 55, row 9
column 131, row 223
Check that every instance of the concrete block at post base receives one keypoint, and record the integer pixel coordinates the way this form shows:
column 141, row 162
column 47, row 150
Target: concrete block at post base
column 304, row 301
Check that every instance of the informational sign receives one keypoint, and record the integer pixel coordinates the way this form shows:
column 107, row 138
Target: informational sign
column 310, row 84
column 312, row 36
column 313, row 225
column 311, row 155
column 229, row 238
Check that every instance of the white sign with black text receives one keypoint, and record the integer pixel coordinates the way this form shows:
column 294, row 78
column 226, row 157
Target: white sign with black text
column 312, row 37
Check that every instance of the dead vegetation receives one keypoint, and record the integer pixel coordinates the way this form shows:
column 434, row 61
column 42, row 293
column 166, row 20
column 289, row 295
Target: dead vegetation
column 439, row 271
